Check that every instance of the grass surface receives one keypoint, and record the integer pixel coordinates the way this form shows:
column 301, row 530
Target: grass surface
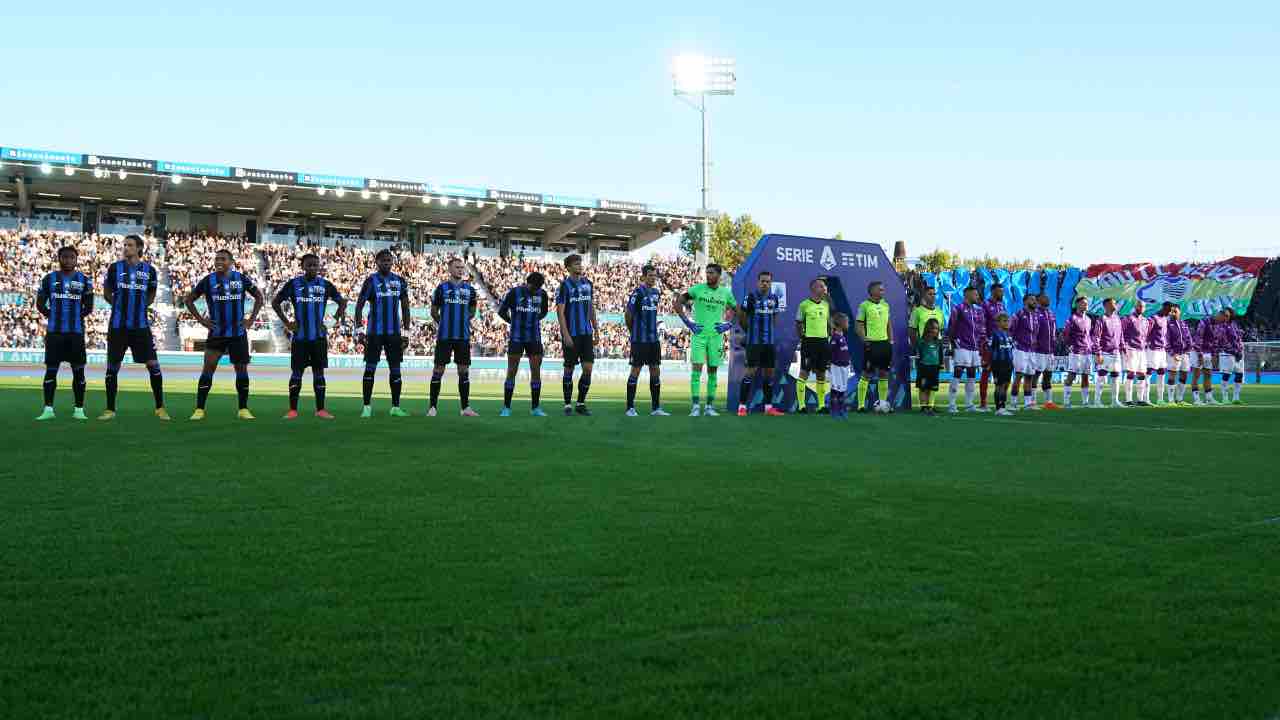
column 1082, row 564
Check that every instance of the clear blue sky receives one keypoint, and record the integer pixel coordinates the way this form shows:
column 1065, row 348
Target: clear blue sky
column 1120, row 130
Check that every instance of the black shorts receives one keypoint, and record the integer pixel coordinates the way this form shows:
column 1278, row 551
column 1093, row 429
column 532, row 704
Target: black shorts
column 235, row 347
column 762, row 356
column 877, row 356
column 64, row 348
column 139, row 342
column 1002, row 371
column 581, row 350
column 927, row 377
column 375, row 345
column 815, row 354
column 312, row 354
column 531, row 348
column 646, row 353
column 455, row 351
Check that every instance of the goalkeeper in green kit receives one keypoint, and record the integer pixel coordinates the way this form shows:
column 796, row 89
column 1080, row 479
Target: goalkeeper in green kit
column 713, row 309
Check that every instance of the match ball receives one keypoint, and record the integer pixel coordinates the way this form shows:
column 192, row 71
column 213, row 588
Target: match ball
column 883, row 407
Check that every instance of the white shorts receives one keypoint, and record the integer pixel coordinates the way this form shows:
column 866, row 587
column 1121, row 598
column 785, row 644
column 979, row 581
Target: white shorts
column 1135, row 361
column 1060, row 362
column 1044, row 361
column 1024, row 363
column 840, row 377
column 1157, row 360
column 1180, row 363
column 1111, row 363
column 966, row 358
column 1079, row 363
column 1200, row 360
column 1228, row 364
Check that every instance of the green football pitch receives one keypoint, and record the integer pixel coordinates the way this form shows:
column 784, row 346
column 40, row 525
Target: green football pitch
column 1081, row 564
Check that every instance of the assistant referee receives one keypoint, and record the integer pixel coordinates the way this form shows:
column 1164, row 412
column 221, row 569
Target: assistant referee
column 872, row 325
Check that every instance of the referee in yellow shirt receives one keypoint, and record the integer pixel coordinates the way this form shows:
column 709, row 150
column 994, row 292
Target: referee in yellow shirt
column 873, row 326
column 813, row 325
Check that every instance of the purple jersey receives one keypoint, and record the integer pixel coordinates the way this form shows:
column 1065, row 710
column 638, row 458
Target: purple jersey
column 1135, row 328
column 1207, row 336
column 1179, row 337
column 1107, row 335
column 1158, row 334
column 840, row 349
column 1023, row 329
column 990, row 309
column 1046, row 331
column 1078, row 334
column 1231, row 339
column 967, row 329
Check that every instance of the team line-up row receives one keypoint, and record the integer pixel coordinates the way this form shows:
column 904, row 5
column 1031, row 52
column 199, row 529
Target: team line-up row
column 978, row 336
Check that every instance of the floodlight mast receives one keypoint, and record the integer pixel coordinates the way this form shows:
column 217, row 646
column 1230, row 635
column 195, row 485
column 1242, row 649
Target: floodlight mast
column 703, row 76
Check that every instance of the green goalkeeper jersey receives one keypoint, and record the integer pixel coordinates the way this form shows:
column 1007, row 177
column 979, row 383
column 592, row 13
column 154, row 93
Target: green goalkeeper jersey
column 709, row 304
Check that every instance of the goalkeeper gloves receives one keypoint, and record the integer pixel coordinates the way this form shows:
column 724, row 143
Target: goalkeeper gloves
column 693, row 326
column 724, row 327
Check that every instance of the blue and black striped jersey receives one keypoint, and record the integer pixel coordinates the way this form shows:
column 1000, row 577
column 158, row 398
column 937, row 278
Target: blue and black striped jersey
column 643, row 305
column 761, row 309
column 70, row 299
column 525, row 311
column 575, row 296
column 457, row 305
column 384, row 293
column 130, row 285
column 224, row 297
column 309, row 298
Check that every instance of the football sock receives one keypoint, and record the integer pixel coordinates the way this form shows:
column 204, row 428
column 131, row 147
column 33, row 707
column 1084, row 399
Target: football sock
column 77, row 385
column 712, row 379
column 366, row 386
column 695, row 386
column 1000, row 397
column 584, row 384
column 631, row 391
column 50, row 384
column 968, row 390
column 396, row 384
column 766, row 388
column 1066, row 393
column 982, row 386
column 882, row 390
column 535, row 393
column 295, row 389
column 508, row 389
column 464, row 390
column 113, row 372
column 242, row 389
column 1027, row 398
column 744, row 391
column 822, row 393
column 566, row 384
column 157, row 385
column 318, row 385
column 863, row 386
column 202, row 389
column 435, row 386
column 655, row 393
column 955, row 388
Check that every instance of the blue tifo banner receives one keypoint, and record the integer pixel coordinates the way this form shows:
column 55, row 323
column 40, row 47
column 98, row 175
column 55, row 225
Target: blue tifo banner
column 1060, row 285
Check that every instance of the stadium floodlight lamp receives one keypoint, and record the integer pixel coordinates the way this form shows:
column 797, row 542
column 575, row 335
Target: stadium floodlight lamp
column 542, row 209
column 563, row 210
column 426, row 199
column 444, row 201
column 502, row 205
column 245, row 184
column 122, row 174
column 46, row 168
column 204, row 181
column 479, row 204
column 69, row 170
column 339, row 191
column 384, row 196
column 528, row 207
column 177, row 179
column 622, row 216
column 462, row 202
column 365, row 194
column 703, row 76
column 272, row 186
column 320, row 191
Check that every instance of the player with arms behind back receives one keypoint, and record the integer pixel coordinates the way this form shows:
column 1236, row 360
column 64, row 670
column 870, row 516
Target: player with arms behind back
column 967, row 333
column 642, row 319
column 712, row 305
column 387, row 295
column 1179, row 356
column 579, row 329
column 757, row 315
column 65, row 298
column 224, row 291
column 813, row 327
column 453, row 305
column 308, row 343
column 130, row 289
column 876, row 332
column 523, row 308
column 1078, row 335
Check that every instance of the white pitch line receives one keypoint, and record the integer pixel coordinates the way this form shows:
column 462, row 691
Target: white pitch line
column 1057, row 426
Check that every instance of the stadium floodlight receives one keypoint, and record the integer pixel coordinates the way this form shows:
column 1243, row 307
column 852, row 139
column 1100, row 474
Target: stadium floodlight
column 502, row 205
column 339, row 191
column 69, row 170
column 46, row 168
column 320, row 191
column 462, row 202
column 426, row 199
column 122, row 174
column 528, row 207
column 245, row 184
column 204, row 181
column 542, row 209
column 272, row 186
column 365, row 194
column 384, row 196
column 444, row 201
column 702, row 76
column 177, row 179
column 479, row 204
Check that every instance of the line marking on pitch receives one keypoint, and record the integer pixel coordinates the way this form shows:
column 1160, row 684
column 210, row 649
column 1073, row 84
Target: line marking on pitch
column 1056, row 426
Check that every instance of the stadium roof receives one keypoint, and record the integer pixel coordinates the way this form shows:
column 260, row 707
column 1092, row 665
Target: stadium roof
column 149, row 186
